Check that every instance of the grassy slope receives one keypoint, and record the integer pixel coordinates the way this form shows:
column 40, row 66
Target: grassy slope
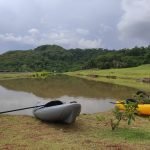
column 130, row 77
column 23, row 132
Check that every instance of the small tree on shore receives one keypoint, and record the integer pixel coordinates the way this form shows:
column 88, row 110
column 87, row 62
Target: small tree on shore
column 128, row 114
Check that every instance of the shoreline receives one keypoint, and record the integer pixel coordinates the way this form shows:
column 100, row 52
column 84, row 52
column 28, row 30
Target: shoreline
column 136, row 77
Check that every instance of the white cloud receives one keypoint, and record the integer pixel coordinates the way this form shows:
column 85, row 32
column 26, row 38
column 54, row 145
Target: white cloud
column 10, row 37
column 83, row 43
column 65, row 38
column 33, row 31
column 82, row 31
column 135, row 22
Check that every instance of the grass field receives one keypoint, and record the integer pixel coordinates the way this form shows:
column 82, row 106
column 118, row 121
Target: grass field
column 87, row 133
column 136, row 77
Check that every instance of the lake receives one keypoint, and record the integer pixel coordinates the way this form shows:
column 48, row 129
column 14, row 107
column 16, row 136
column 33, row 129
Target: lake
column 93, row 96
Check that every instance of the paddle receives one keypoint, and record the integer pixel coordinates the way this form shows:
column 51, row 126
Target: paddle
column 129, row 100
column 2, row 112
column 116, row 103
column 51, row 103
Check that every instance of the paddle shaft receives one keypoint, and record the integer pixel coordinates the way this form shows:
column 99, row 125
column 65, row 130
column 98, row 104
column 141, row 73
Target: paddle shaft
column 20, row 109
column 116, row 103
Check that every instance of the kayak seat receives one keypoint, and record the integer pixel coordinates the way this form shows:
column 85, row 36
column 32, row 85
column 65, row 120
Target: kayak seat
column 53, row 103
column 131, row 101
column 73, row 102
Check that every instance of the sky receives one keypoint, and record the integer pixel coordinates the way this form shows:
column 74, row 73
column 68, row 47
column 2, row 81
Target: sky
column 111, row 24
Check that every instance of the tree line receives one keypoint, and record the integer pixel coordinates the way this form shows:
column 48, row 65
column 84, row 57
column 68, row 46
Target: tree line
column 54, row 58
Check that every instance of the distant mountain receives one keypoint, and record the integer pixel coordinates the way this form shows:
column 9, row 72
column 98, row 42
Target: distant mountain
column 56, row 58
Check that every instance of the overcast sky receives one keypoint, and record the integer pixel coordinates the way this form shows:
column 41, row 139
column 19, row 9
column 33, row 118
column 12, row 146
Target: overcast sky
column 112, row 24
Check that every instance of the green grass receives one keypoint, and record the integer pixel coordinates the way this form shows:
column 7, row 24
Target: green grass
column 15, row 75
column 131, row 135
column 23, row 132
column 131, row 77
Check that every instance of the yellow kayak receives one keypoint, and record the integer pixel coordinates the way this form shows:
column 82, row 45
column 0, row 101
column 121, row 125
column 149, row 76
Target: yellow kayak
column 143, row 109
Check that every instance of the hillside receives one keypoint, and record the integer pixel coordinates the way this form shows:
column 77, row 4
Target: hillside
column 55, row 58
column 135, row 77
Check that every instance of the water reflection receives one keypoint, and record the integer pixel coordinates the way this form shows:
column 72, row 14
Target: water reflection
column 10, row 99
column 13, row 100
column 58, row 86
column 93, row 96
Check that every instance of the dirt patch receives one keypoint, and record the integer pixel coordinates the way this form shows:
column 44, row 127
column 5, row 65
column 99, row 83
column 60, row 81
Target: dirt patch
column 93, row 75
column 111, row 77
column 118, row 147
column 146, row 80
column 96, row 76
column 13, row 147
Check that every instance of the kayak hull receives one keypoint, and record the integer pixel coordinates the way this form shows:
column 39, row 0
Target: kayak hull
column 66, row 113
column 142, row 109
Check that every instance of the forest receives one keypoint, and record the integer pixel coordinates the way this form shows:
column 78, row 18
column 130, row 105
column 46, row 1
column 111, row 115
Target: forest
column 54, row 58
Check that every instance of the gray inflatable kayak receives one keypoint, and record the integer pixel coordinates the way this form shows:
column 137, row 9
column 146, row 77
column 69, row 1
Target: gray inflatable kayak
column 57, row 111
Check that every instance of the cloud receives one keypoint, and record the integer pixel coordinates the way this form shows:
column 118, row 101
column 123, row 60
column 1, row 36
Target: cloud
column 10, row 37
column 33, row 31
column 69, row 23
column 65, row 38
column 135, row 22
column 70, row 38
column 82, row 31
column 84, row 43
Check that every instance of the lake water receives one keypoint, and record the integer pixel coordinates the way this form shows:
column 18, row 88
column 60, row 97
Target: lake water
column 93, row 96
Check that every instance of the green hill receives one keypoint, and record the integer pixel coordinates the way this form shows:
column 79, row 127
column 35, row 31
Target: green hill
column 55, row 58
